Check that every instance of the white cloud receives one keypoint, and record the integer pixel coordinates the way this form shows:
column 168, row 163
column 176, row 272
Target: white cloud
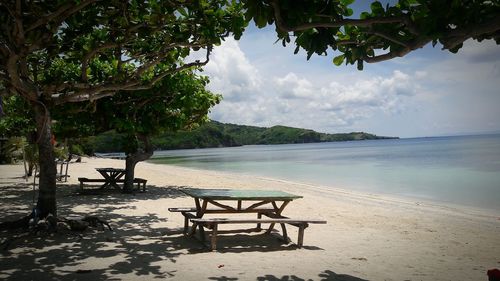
column 425, row 96
column 292, row 87
column 294, row 100
column 231, row 74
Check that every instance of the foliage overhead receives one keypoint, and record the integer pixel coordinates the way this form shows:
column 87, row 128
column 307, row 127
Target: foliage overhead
column 383, row 33
column 16, row 121
column 71, row 51
column 57, row 52
column 176, row 102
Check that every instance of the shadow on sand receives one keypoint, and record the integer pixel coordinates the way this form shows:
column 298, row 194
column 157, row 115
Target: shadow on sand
column 64, row 255
column 145, row 247
column 326, row 275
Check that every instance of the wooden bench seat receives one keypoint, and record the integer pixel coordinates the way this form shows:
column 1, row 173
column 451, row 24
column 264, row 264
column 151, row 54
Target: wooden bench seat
column 182, row 209
column 212, row 223
column 91, row 180
column 141, row 183
column 188, row 213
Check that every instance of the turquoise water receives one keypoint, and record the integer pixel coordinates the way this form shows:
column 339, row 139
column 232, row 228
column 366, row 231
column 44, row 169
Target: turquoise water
column 462, row 170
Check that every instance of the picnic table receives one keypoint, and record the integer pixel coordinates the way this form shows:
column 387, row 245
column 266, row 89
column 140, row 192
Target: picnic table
column 111, row 177
column 268, row 203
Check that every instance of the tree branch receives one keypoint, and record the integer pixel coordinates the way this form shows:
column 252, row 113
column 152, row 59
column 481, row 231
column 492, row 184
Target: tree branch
column 160, row 55
column 84, row 92
column 62, row 13
column 389, row 37
column 280, row 23
column 458, row 36
column 399, row 53
column 11, row 65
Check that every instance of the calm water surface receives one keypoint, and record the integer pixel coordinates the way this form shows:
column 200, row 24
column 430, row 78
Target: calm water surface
column 461, row 170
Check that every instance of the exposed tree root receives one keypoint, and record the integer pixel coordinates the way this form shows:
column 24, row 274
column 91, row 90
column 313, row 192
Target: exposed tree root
column 81, row 225
column 50, row 224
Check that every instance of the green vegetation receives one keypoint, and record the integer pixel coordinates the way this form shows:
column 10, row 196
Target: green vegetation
column 381, row 33
column 59, row 53
column 55, row 53
column 216, row 134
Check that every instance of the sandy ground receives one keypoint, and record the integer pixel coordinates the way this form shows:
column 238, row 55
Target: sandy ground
column 367, row 237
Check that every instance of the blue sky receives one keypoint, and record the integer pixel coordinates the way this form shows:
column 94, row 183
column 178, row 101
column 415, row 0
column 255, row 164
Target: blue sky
column 429, row 92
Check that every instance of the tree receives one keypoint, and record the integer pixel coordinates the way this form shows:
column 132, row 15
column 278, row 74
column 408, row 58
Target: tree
column 176, row 102
column 381, row 34
column 58, row 52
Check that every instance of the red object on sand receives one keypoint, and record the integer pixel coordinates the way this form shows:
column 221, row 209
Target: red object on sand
column 494, row 274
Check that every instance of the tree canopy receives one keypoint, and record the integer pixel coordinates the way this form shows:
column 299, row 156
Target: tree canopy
column 71, row 51
column 58, row 52
column 178, row 101
column 382, row 33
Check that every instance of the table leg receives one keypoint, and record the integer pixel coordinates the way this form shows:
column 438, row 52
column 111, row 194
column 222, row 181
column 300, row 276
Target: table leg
column 186, row 224
column 200, row 214
column 192, row 232
column 213, row 239
column 200, row 211
column 259, row 216
column 285, row 234
column 300, row 241
column 278, row 211
column 115, row 176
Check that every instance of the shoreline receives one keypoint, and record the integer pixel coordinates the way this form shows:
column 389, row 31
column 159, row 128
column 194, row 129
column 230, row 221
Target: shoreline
column 385, row 197
column 398, row 199
column 367, row 237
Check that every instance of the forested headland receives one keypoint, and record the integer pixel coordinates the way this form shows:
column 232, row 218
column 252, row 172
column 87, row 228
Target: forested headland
column 216, row 134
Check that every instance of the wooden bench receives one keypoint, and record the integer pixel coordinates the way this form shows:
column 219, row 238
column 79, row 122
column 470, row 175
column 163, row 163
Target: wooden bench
column 212, row 223
column 141, row 183
column 188, row 213
column 84, row 180
column 182, row 209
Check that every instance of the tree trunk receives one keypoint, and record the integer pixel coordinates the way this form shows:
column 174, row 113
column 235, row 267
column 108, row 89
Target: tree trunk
column 31, row 168
column 132, row 159
column 46, row 203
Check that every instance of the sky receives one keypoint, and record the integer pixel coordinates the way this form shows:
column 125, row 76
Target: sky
column 430, row 92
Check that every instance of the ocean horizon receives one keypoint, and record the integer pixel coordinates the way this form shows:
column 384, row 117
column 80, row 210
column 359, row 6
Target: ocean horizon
column 461, row 170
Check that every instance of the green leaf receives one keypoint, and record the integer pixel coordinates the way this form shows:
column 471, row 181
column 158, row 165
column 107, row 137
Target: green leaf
column 183, row 12
column 349, row 12
column 364, row 15
column 377, row 8
column 338, row 60
column 347, row 2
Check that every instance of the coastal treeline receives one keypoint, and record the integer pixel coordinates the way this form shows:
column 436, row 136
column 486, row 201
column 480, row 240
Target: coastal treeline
column 217, row 134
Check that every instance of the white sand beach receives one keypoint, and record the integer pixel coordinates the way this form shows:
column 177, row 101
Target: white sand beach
column 367, row 237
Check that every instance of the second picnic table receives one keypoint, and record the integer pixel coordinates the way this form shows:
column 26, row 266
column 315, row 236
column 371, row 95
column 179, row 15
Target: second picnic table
column 112, row 176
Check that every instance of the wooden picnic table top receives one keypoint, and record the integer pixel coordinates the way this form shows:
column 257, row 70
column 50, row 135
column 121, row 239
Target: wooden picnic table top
column 110, row 170
column 240, row 194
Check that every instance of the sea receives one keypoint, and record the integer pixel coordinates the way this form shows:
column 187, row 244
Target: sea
column 457, row 170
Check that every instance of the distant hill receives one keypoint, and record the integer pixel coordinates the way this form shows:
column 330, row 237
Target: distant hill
column 216, row 134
